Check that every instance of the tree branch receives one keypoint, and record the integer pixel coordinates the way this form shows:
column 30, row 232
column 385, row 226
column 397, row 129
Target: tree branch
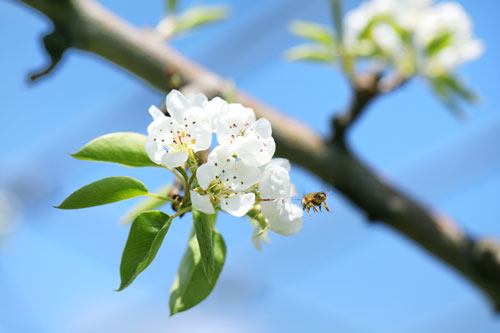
column 92, row 28
column 366, row 88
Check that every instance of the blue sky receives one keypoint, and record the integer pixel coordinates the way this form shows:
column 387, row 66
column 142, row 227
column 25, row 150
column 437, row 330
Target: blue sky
column 59, row 268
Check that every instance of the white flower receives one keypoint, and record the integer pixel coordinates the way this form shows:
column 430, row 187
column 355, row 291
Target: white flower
column 224, row 180
column 449, row 21
column 170, row 138
column 250, row 140
column 212, row 110
column 276, row 192
column 384, row 18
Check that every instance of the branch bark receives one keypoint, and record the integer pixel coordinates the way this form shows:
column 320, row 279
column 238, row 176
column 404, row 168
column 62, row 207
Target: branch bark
column 92, row 28
column 366, row 88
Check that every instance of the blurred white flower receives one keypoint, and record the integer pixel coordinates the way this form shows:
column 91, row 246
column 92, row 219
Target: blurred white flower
column 249, row 140
column 381, row 30
column 447, row 28
column 412, row 34
column 276, row 191
column 373, row 26
column 227, row 181
column 170, row 138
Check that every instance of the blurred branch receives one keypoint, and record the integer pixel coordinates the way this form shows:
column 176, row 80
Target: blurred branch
column 366, row 88
column 55, row 43
column 92, row 28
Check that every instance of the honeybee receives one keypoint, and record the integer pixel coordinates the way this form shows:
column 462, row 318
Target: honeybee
column 313, row 200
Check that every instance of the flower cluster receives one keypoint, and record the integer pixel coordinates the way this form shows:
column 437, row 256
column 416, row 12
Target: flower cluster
column 412, row 35
column 240, row 174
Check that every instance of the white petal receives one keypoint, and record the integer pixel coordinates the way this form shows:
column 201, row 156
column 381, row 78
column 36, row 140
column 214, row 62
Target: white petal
column 289, row 221
column 177, row 103
column 197, row 100
column 282, row 162
column 205, row 174
column 235, row 120
column 254, row 150
column 202, row 202
column 246, row 149
column 293, row 191
column 242, row 176
column 271, row 209
column 151, row 148
column 262, row 127
column 174, row 159
column 267, row 153
column 275, row 183
column 203, row 137
column 287, row 228
column 194, row 113
column 222, row 132
column 162, row 124
column 215, row 110
column 239, row 204
column 240, row 114
column 223, row 156
column 156, row 113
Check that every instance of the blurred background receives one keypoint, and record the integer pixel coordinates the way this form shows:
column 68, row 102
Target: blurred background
column 58, row 269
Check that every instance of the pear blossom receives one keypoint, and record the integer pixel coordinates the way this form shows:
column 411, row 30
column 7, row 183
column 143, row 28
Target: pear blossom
column 276, row 191
column 451, row 22
column 383, row 36
column 225, row 180
column 170, row 138
column 212, row 110
column 382, row 30
column 249, row 140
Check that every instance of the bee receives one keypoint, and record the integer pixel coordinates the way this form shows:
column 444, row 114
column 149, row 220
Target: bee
column 313, row 200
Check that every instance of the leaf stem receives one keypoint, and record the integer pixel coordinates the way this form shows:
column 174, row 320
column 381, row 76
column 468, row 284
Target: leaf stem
column 181, row 212
column 152, row 195
column 187, row 192
column 184, row 179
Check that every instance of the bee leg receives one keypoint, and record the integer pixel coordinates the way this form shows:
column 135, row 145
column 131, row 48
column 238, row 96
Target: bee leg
column 319, row 208
column 315, row 209
column 308, row 212
column 327, row 208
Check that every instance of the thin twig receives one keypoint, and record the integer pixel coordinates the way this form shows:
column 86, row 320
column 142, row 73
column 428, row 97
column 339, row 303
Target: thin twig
column 366, row 88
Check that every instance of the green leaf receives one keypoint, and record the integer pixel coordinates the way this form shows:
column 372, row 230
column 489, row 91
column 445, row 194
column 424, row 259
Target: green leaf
column 190, row 286
column 146, row 235
column 459, row 89
column 203, row 224
column 147, row 203
column 104, row 191
column 124, row 148
column 450, row 91
column 198, row 16
column 311, row 52
column 171, row 5
column 366, row 33
column 313, row 31
column 439, row 43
